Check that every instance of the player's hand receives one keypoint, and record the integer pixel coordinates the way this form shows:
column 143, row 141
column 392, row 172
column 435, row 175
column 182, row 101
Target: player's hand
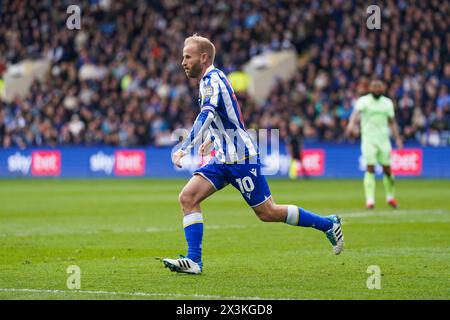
column 399, row 143
column 205, row 148
column 348, row 132
column 176, row 158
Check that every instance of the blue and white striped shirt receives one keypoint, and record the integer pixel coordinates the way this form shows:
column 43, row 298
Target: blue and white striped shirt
column 221, row 119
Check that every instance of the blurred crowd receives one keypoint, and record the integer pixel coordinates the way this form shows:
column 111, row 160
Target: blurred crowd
column 118, row 80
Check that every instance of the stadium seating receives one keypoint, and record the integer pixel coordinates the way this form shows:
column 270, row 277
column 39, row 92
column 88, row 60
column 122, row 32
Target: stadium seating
column 139, row 94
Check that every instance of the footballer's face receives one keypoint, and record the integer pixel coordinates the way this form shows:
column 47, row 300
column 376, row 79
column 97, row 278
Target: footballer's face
column 192, row 60
column 376, row 88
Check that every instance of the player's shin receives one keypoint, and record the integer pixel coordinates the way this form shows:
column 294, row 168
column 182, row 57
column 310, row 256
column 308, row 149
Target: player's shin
column 193, row 231
column 388, row 181
column 304, row 218
column 293, row 169
column 369, row 187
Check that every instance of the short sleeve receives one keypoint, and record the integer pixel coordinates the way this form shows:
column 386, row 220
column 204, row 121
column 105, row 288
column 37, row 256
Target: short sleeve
column 209, row 91
column 359, row 105
column 390, row 109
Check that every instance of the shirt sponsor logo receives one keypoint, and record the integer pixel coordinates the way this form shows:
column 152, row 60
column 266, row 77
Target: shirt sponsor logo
column 208, row 91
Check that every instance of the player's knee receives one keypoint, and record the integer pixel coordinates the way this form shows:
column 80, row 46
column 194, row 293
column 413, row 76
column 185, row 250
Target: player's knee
column 371, row 169
column 186, row 199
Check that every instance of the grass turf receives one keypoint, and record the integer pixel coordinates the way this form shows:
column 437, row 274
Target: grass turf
column 113, row 229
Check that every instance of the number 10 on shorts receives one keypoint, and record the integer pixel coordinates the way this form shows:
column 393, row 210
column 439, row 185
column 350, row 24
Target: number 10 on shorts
column 246, row 184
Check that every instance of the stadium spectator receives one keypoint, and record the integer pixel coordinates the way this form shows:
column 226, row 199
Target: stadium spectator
column 107, row 83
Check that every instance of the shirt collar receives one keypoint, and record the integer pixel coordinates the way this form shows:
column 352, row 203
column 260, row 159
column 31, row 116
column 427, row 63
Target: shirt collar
column 211, row 67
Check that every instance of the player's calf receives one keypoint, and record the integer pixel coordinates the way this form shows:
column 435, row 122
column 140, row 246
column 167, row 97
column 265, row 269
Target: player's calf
column 389, row 187
column 293, row 215
column 369, row 187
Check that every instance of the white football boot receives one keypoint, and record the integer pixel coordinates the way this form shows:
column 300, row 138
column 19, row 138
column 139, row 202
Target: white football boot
column 335, row 234
column 183, row 265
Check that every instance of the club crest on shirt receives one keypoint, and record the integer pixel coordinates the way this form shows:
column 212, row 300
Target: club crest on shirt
column 208, row 91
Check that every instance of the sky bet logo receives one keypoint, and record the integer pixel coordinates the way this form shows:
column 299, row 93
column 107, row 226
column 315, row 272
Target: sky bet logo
column 45, row 163
column 121, row 163
column 405, row 162
column 129, row 163
column 101, row 162
column 40, row 163
column 19, row 163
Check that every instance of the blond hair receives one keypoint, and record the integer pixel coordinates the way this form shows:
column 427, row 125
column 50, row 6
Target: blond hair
column 204, row 45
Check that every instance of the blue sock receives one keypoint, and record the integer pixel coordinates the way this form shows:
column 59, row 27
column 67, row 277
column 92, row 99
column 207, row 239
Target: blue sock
column 301, row 217
column 193, row 232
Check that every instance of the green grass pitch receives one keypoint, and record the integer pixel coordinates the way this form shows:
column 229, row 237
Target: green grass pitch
column 113, row 229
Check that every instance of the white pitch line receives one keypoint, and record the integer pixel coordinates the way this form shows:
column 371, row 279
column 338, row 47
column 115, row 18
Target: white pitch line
column 137, row 294
column 146, row 230
column 356, row 214
column 363, row 214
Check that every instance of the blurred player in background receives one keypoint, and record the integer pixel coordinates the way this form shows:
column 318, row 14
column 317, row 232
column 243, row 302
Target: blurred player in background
column 294, row 142
column 376, row 113
column 236, row 161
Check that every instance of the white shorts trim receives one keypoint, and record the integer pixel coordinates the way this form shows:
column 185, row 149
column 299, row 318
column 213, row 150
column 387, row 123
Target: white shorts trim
column 203, row 175
column 261, row 202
